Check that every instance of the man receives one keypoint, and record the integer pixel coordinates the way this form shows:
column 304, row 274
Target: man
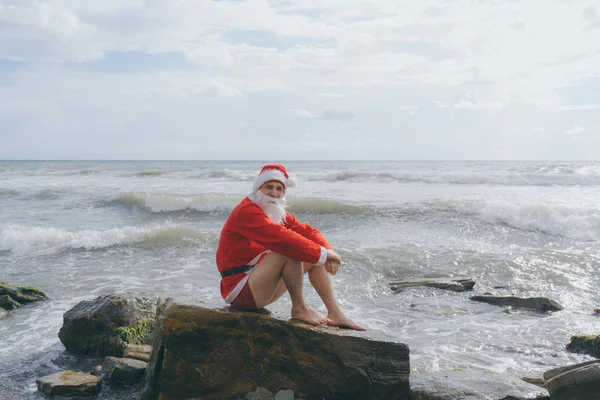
column 265, row 251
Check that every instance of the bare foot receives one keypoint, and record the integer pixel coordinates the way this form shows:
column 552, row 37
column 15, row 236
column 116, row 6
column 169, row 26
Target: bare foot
column 309, row 315
column 341, row 321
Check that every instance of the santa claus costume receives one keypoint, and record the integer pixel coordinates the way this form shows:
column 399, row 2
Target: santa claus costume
column 249, row 234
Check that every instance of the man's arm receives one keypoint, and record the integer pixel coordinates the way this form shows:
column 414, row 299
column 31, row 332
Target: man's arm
column 306, row 230
column 252, row 223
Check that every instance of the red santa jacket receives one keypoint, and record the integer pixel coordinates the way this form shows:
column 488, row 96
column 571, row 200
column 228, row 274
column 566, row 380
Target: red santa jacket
column 248, row 232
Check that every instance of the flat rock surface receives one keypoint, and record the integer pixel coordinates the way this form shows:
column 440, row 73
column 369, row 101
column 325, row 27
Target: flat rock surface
column 69, row 383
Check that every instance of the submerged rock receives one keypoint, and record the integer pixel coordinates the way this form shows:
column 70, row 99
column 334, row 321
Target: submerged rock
column 220, row 353
column 69, row 383
column 586, row 344
column 106, row 325
column 541, row 304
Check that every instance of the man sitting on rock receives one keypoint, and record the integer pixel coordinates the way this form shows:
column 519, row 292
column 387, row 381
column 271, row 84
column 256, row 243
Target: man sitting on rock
column 264, row 251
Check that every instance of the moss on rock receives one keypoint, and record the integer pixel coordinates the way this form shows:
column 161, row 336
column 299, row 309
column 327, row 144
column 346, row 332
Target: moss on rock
column 22, row 294
column 106, row 325
column 587, row 344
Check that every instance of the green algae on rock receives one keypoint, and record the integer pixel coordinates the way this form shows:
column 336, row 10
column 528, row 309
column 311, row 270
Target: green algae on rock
column 587, row 344
column 22, row 294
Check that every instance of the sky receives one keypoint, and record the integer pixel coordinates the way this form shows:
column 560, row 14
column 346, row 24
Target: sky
column 300, row 79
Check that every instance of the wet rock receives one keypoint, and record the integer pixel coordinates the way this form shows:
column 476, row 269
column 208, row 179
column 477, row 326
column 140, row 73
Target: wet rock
column 557, row 371
column 124, row 370
column 22, row 294
column 195, row 348
column 138, row 351
column 7, row 303
column 106, row 325
column 3, row 312
column 597, row 310
column 452, row 284
column 471, row 385
column 586, row 344
column 541, row 304
column 97, row 370
column 69, row 383
column 260, row 393
column 579, row 383
column 287, row 394
column 534, row 380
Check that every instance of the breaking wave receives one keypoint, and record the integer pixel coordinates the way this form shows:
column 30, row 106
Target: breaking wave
column 19, row 239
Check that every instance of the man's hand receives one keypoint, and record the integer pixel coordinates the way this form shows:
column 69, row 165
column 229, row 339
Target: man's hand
column 332, row 266
column 333, row 262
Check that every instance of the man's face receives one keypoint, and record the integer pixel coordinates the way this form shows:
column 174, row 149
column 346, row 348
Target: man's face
column 273, row 188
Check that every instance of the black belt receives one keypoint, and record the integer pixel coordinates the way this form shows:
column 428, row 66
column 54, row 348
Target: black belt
column 236, row 270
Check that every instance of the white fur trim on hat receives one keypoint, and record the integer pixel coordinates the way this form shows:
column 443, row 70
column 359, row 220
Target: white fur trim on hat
column 273, row 175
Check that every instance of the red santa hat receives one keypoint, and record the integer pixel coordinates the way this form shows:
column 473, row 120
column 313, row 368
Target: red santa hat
column 273, row 172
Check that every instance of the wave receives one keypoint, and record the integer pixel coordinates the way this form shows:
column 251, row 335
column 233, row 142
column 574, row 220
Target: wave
column 559, row 176
column 166, row 202
column 19, row 239
column 582, row 223
column 219, row 204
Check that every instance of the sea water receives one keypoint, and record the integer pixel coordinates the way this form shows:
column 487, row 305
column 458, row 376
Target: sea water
column 81, row 229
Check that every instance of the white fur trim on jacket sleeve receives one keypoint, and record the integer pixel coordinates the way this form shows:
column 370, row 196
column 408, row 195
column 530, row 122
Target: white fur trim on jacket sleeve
column 323, row 256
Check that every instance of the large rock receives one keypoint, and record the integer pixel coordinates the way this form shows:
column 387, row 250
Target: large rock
column 586, row 344
column 104, row 326
column 581, row 383
column 218, row 353
column 540, row 304
column 69, row 383
column 472, row 385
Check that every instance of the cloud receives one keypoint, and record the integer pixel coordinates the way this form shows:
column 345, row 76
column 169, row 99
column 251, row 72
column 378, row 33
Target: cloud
column 407, row 74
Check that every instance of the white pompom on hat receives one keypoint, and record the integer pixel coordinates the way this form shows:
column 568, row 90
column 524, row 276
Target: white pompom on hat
column 273, row 172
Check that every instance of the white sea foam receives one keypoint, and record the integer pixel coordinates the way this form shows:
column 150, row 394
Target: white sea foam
column 19, row 239
column 576, row 222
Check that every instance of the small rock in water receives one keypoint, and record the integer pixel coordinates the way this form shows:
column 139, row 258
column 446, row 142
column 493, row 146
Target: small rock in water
column 69, row 383
column 125, row 370
column 138, row 351
column 260, row 393
column 287, row 394
column 3, row 312
column 597, row 310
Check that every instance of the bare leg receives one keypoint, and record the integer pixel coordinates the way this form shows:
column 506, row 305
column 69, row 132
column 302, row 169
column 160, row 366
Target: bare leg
column 321, row 281
column 265, row 279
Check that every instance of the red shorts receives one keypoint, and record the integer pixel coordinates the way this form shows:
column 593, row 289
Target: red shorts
column 245, row 300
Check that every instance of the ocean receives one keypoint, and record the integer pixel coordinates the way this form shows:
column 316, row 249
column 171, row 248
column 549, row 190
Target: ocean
column 81, row 229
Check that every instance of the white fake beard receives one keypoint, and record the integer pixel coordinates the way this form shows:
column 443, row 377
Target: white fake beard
column 273, row 207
